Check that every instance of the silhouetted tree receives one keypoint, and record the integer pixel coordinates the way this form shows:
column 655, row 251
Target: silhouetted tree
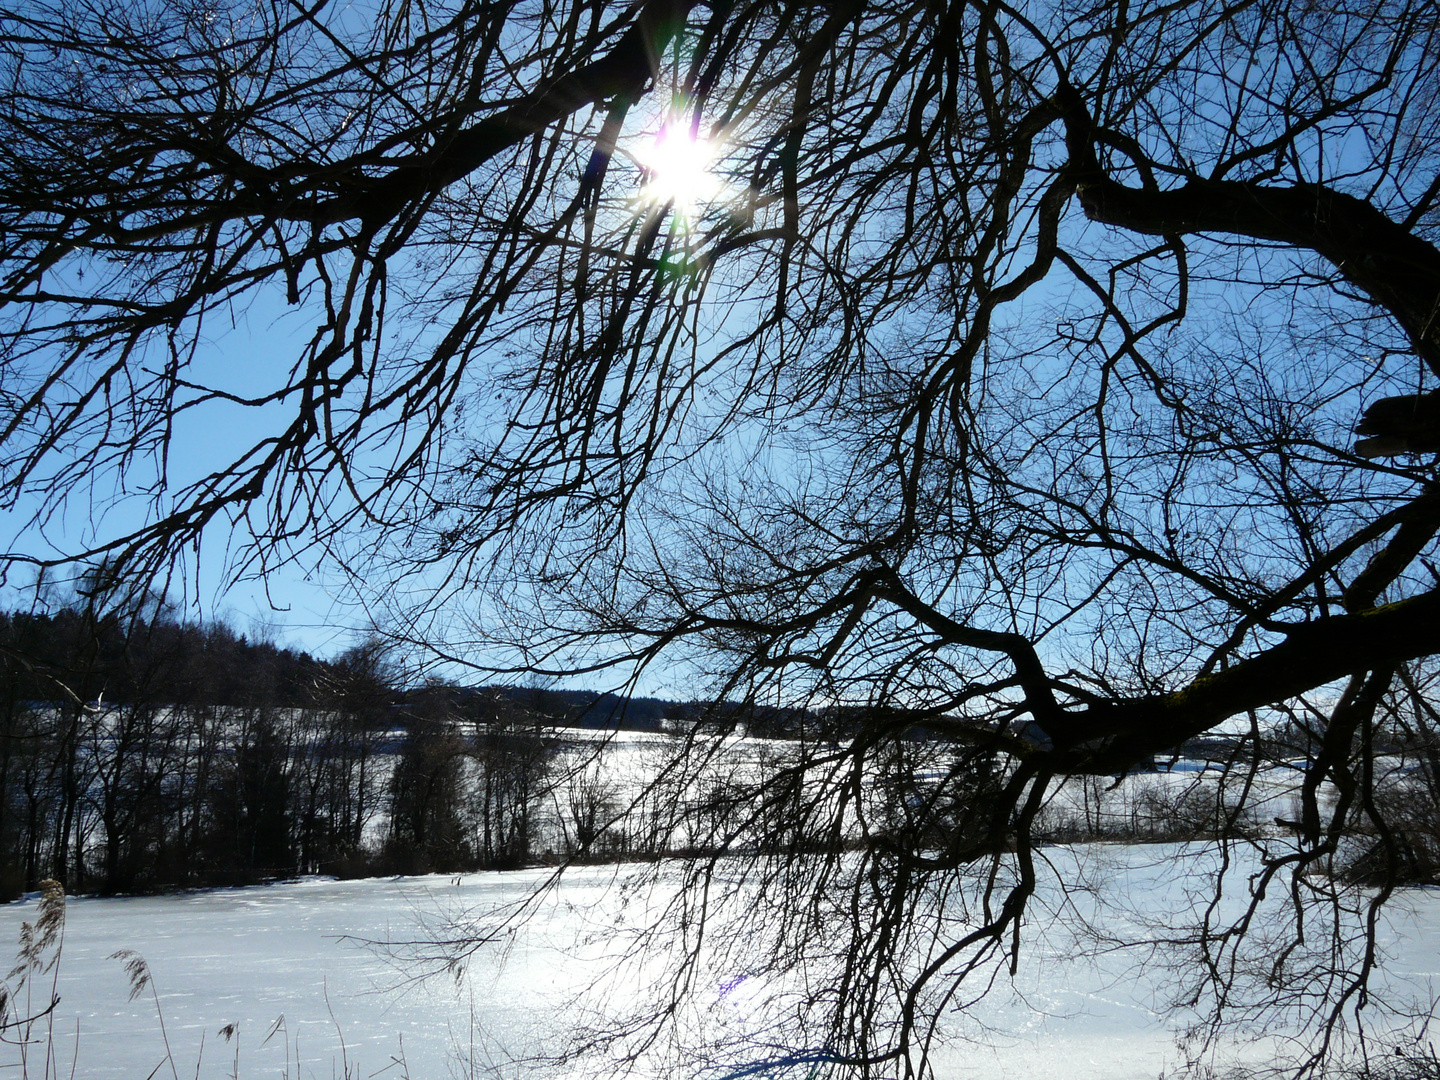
column 512, row 758
column 1002, row 383
column 250, row 814
column 426, row 796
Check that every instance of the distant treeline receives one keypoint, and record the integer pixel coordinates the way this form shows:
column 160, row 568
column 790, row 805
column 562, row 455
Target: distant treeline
column 142, row 752
column 109, row 657
column 72, row 654
column 139, row 751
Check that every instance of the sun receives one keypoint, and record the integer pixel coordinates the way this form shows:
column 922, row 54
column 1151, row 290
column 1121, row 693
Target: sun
column 678, row 169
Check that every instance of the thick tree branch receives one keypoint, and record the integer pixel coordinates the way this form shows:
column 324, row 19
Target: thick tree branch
column 1397, row 269
column 1387, row 564
column 623, row 73
column 1110, row 738
column 1039, row 696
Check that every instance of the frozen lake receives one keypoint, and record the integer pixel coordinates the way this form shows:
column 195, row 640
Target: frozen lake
column 282, row 963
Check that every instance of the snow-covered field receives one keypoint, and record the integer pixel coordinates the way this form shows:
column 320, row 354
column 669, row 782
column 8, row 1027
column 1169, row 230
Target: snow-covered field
column 278, row 981
column 285, row 965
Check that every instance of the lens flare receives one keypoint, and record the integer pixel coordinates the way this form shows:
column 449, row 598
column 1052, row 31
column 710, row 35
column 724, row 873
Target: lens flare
column 677, row 168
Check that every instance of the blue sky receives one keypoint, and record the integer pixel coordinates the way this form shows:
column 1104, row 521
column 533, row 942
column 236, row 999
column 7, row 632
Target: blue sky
column 297, row 604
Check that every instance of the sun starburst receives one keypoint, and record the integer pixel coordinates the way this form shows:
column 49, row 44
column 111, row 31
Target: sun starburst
column 678, row 166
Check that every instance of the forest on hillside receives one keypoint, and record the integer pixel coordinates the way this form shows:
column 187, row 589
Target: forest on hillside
column 140, row 751
column 143, row 752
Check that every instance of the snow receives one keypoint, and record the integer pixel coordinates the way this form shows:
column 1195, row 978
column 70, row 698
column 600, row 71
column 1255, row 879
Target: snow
column 286, row 964
column 285, row 955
